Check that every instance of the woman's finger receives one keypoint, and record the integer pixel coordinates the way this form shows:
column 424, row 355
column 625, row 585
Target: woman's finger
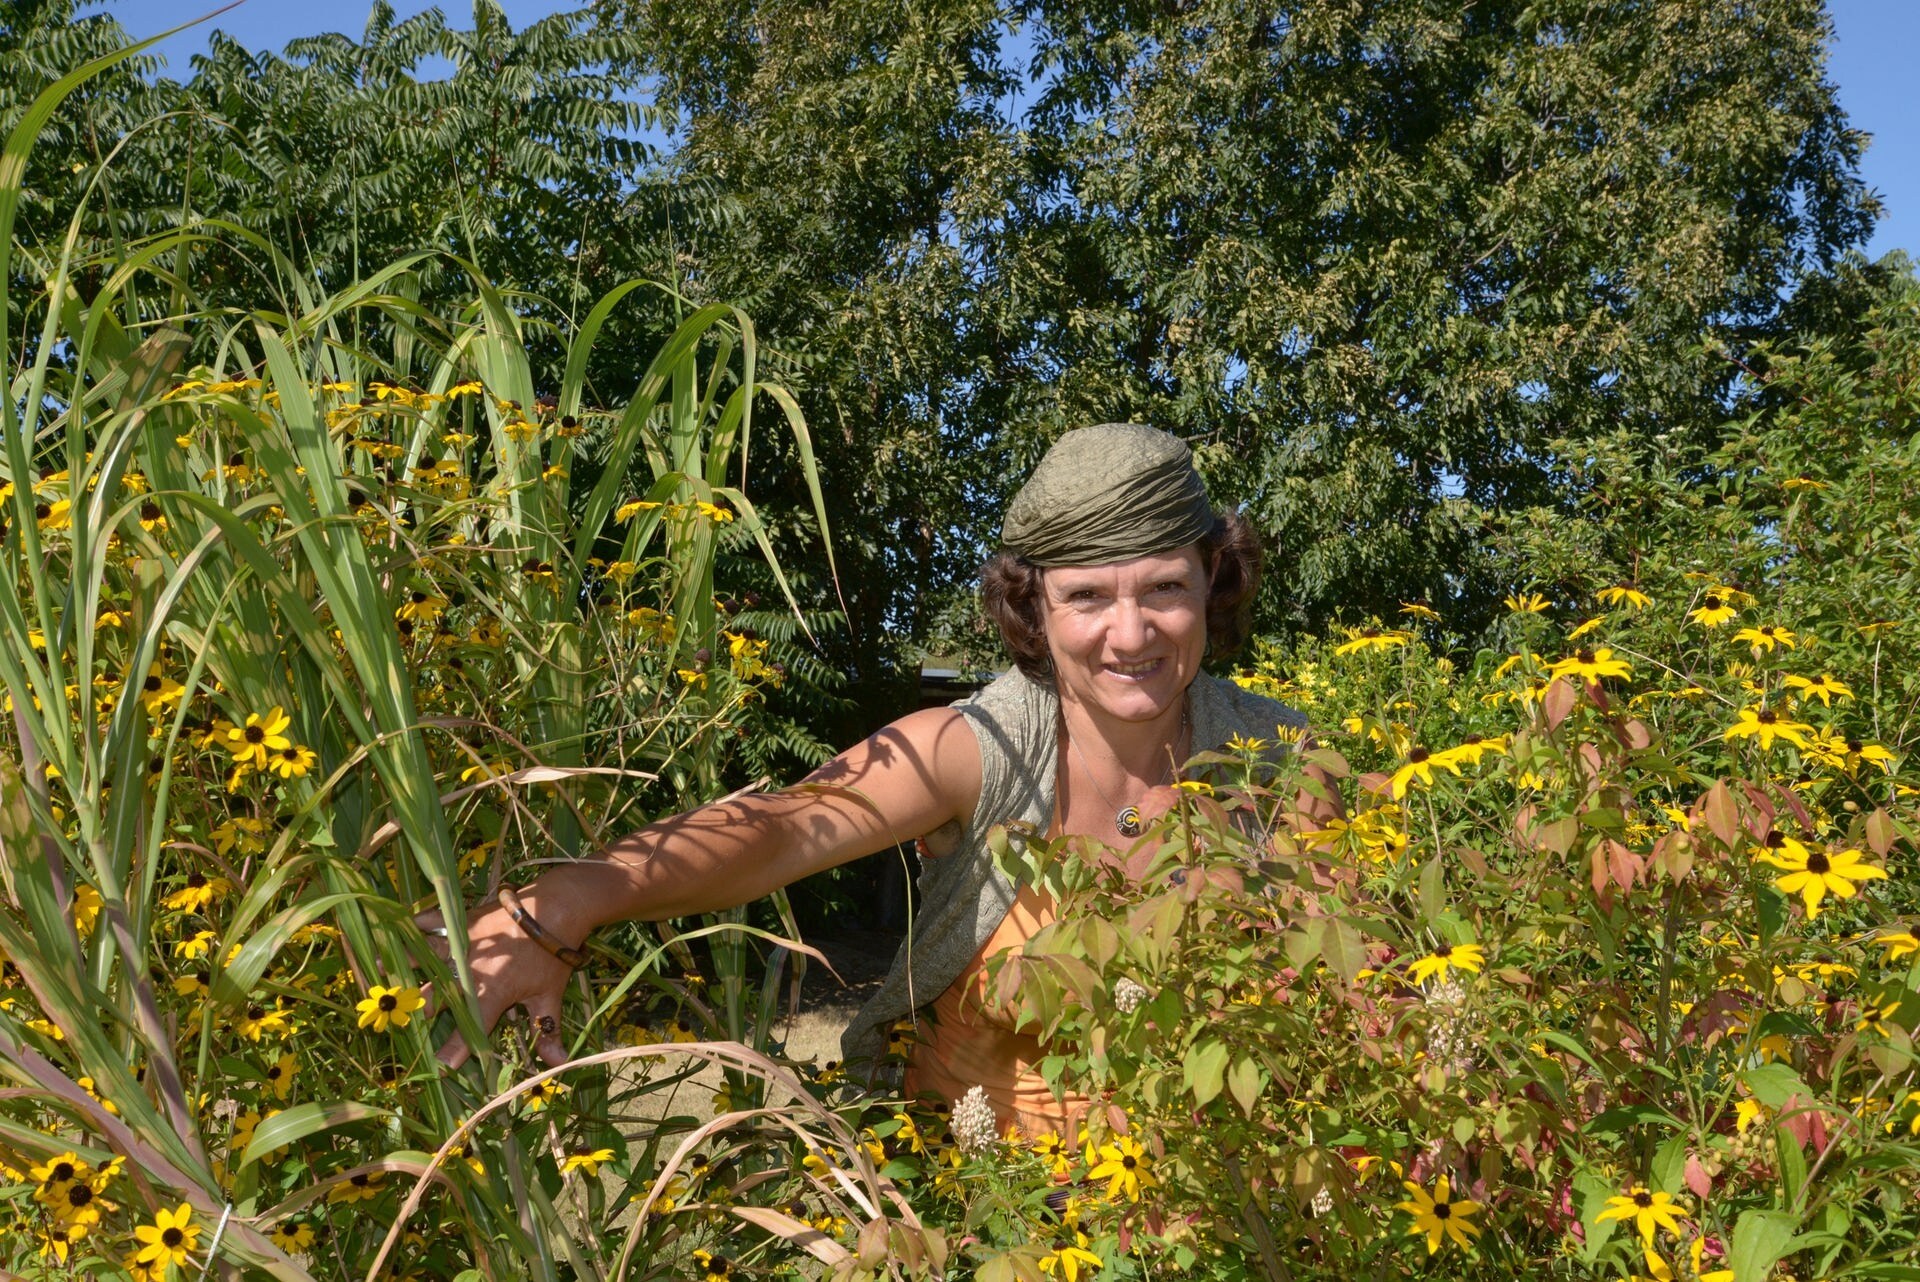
column 543, row 1012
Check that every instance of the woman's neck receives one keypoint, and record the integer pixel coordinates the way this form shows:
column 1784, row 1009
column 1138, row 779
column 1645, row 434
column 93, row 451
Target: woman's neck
column 1146, row 752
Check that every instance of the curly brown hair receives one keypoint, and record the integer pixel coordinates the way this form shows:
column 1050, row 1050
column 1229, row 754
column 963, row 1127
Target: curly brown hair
column 1011, row 595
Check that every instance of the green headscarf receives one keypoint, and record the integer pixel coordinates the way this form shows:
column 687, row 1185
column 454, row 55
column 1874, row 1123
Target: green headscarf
column 1108, row 493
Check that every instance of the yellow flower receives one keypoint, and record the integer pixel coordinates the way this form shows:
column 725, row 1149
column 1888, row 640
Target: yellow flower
column 1622, row 595
column 539, row 1096
column 292, row 1236
column 1445, row 957
column 1123, row 1164
column 294, row 760
column 1420, row 764
column 169, row 1239
column 388, row 1006
column 1071, row 1262
column 196, row 946
column 627, row 511
column 1897, row 943
column 588, row 1162
column 1418, row 611
column 260, row 735
column 1526, row 603
column 86, row 908
column 1439, row 1216
column 1822, row 687
column 1591, row 665
column 1589, row 626
column 1713, row 610
column 1745, row 1114
column 1648, row 1211
column 1768, row 726
column 714, row 1268
column 280, row 1075
column 1370, row 639
column 717, row 514
column 198, row 894
column 357, row 1188
column 1765, row 637
column 1814, row 874
column 1055, row 1152
column 1874, row 1019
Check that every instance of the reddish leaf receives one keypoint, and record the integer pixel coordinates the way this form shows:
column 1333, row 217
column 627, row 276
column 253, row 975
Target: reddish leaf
column 1557, row 702
column 1601, row 873
column 1636, row 734
column 1622, row 863
column 1880, row 832
column 1697, row 1178
column 1721, row 814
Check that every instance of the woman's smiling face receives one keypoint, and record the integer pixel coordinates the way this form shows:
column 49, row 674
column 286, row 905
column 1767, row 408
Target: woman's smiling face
column 1127, row 638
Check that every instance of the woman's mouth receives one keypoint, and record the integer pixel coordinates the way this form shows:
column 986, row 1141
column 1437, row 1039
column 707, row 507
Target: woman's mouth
column 1134, row 671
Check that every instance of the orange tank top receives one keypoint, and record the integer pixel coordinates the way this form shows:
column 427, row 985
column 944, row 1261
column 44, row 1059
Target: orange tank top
column 970, row 1040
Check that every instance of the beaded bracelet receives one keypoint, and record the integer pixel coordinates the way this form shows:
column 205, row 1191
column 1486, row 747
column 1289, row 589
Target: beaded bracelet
column 536, row 932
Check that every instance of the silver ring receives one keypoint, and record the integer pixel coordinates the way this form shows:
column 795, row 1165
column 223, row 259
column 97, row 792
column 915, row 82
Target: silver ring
column 434, row 930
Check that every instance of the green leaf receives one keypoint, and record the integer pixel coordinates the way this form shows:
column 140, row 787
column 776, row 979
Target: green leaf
column 1245, row 1080
column 303, row 1120
column 1760, row 1239
column 1593, row 1192
column 1773, row 1084
column 1205, row 1071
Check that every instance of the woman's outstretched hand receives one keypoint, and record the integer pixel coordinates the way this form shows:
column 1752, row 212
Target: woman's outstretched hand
column 510, row 969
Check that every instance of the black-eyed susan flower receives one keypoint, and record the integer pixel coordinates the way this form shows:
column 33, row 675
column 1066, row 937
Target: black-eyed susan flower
column 294, row 761
column 1767, row 725
column 588, row 1162
column 383, row 1008
column 1713, row 610
column 199, row 893
column 1447, row 957
column 1823, row 687
column 1359, row 639
column 1621, row 594
column 1815, row 874
column 1591, row 665
column 280, row 1075
column 1123, row 1165
column 1648, row 1212
column 194, row 946
column 357, row 1188
column 258, row 1021
column 292, row 1236
column 1874, row 1017
column 170, row 1239
column 1420, row 764
column 261, row 735
column 541, row 1094
column 1414, row 610
column 1898, row 943
column 1071, row 1261
column 714, row 1268
column 1526, row 603
column 1766, row 637
column 1439, row 1216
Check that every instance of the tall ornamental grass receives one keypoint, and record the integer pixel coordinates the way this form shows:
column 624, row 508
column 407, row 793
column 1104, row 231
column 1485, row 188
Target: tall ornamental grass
column 308, row 630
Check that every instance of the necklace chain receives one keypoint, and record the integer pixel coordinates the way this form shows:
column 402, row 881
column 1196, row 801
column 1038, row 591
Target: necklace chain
column 1126, row 819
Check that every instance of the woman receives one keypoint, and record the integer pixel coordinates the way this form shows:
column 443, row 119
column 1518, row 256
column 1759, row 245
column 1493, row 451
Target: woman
column 1117, row 580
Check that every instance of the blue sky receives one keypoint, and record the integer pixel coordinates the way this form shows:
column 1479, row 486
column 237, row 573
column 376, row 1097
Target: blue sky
column 1872, row 64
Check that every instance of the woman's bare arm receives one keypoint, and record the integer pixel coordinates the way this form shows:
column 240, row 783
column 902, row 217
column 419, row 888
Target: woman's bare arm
column 901, row 782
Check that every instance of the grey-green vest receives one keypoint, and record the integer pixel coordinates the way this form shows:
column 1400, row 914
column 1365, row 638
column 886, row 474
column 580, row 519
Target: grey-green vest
column 963, row 897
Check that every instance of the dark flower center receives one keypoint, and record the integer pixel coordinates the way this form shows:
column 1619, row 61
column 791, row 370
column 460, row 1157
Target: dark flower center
column 196, row 880
column 1643, row 1199
column 1711, row 603
column 150, row 684
column 1127, row 1163
column 1853, row 745
column 1443, row 951
column 254, row 734
column 1767, row 717
column 149, row 511
column 62, row 1173
column 1817, row 862
column 1774, row 839
column 360, row 1181
column 388, row 1001
column 256, row 1013
column 79, row 1195
column 1472, row 738
column 172, row 1238
column 1584, row 656
column 273, row 1074
column 1442, row 1210
column 418, row 596
column 1418, row 755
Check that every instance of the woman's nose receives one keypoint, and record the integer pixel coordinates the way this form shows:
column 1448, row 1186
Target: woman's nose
column 1129, row 630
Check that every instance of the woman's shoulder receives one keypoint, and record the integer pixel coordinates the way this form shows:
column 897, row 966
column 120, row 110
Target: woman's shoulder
column 1223, row 709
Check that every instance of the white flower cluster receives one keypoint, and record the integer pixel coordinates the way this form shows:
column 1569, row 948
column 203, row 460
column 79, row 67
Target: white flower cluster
column 1128, row 995
column 1449, row 1039
column 975, row 1129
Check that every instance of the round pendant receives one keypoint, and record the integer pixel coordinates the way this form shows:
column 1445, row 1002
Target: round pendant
column 1127, row 822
